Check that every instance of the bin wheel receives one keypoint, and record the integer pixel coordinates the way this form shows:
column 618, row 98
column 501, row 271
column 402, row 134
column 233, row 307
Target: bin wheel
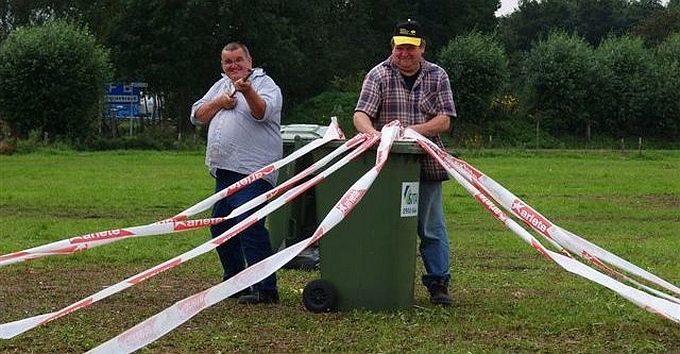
column 319, row 296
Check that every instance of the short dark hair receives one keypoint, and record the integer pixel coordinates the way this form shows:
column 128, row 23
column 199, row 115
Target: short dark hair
column 231, row 46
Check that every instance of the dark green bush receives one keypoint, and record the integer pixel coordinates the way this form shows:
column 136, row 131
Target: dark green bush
column 52, row 80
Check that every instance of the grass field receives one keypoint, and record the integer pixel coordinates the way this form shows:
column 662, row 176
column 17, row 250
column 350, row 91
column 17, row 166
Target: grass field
column 507, row 297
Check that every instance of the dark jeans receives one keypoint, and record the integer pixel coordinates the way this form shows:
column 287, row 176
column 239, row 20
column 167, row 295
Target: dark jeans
column 434, row 239
column 249, row 246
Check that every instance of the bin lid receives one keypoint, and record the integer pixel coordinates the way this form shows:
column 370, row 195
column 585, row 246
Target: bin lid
column 398, row 146
column 304, row 131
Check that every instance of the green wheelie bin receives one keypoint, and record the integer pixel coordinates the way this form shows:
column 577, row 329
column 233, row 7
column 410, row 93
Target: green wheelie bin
column 368, row 259
column 296, row 220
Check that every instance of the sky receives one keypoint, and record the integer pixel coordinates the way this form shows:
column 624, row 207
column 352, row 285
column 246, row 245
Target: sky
column 508, row 6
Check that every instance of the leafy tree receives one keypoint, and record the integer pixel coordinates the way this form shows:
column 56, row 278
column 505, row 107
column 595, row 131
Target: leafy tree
column 98, row 15
column 626, row 73
column 667, row 105
column 5, row 19
column 52, row 79
column 559, row 75
column 14, row 14
column 173, row 45
column 443, row 20
column 302, row 45
column 656, row 29
column 594, row 20
column 638, row 11
column 478, row 70
column 306, row 46
column 377, row 18
column 534, row 21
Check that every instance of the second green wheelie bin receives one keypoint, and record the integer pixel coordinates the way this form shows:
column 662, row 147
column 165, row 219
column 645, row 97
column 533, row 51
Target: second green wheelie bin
column 296, row 220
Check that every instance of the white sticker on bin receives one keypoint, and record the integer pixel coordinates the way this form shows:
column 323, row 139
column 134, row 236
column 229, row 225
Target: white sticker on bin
column 409, row 199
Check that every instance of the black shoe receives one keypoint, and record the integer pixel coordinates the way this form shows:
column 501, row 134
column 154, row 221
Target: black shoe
column 439, row 293
column 238, row 295
column 258, row 297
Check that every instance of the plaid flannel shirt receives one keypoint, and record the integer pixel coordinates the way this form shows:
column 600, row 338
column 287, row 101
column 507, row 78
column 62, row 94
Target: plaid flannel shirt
column 385, row 97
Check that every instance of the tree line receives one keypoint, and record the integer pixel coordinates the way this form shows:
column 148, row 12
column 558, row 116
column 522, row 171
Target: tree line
column 554, row 70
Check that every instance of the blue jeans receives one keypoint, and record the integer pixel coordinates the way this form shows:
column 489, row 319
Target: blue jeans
column 252, row 244
column 434, row 240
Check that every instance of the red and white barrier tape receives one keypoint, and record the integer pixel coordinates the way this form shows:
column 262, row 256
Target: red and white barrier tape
column 559, row 237
column 349, row 144
column 332, row 133
column 84, row 242
column 11, row 329
column 178, row 222
column 172, row 317
column 469, row 177
column 659, row 306
column 553, row 232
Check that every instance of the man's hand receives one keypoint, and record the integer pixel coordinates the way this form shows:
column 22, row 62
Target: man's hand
column 362, row 123
column 242, row 86
column 227, row 100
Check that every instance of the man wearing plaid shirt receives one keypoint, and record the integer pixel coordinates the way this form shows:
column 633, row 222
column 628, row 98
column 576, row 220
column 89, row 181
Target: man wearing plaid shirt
column 418, row 94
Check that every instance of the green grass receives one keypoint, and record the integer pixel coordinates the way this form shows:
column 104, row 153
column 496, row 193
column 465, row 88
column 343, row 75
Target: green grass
column 507, row 297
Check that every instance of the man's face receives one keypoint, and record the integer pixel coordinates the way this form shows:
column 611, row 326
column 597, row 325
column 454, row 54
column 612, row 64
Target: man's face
column 407, row 57
column 235, row 63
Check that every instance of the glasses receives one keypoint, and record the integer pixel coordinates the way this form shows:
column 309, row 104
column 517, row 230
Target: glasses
column 238, row 61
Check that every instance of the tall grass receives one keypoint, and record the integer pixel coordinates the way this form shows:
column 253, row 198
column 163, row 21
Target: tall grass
column 507, row 297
